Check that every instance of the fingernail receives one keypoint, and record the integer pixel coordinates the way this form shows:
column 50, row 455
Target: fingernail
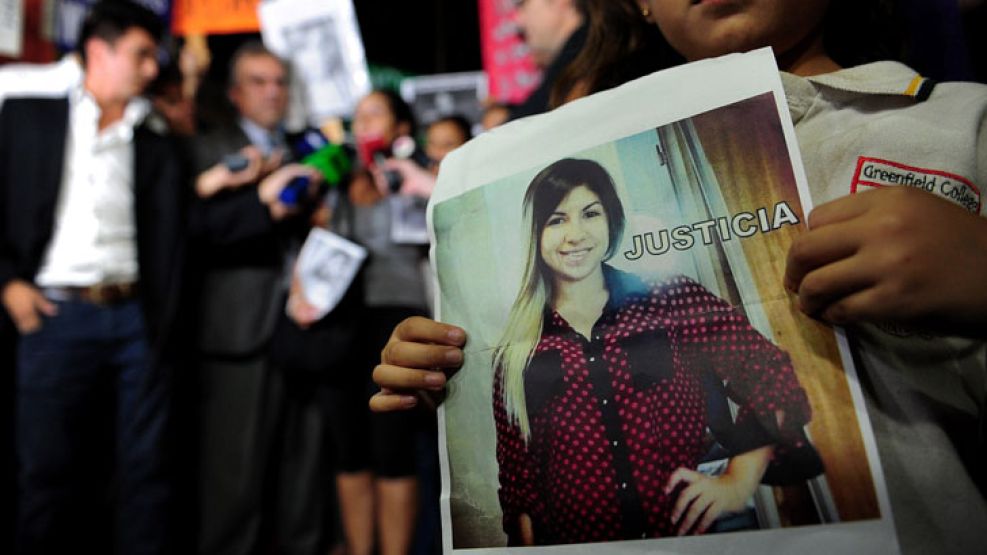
column 456, row 335
column 454, row 356
column 408, row 401
column 434, row 379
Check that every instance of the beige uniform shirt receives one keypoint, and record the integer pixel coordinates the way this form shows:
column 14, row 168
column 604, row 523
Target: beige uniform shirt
column 883, row 125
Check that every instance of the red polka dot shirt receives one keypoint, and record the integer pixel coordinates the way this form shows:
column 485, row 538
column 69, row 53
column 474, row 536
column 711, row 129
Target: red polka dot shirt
column 613, row 415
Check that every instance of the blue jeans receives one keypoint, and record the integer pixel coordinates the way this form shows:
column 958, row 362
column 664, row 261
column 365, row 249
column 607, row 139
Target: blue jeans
column 91, row 420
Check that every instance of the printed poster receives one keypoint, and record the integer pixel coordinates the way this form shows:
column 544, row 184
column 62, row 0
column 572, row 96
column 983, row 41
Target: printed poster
column 326, row 267
column 637, row 379
column 11, row 28
column 322, row 42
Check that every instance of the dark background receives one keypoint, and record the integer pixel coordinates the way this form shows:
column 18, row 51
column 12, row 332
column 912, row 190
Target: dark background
column 421, row 36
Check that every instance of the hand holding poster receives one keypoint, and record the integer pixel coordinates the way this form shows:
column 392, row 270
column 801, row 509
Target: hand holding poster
column 636, row 371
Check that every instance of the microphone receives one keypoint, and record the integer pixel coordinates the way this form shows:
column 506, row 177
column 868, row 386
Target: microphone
column 315, row 151
column 375, row 151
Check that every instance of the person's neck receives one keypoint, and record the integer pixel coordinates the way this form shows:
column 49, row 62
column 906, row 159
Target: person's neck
column 111, row 107
column 581, row 302
column 808, row 58
column 271, row 130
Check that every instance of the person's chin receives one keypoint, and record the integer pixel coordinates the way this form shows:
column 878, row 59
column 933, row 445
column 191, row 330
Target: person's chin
column 579, row 272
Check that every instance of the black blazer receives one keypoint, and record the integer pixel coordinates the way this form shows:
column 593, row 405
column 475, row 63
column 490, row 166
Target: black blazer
column 231, row 330
column 32, row 148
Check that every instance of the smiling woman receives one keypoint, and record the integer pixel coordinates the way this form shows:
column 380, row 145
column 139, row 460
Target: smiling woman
column 600, row 398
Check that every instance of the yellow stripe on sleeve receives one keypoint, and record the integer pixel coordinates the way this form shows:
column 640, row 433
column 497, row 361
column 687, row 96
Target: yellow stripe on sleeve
column 913, row 87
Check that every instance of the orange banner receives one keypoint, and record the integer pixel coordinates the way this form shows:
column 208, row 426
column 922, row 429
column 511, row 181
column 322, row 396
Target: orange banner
column 191, row 17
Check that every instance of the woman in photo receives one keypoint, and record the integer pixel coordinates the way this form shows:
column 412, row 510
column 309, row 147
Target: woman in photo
column 602, row 384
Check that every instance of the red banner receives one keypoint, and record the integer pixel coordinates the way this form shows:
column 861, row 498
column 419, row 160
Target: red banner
column 511, row 72
column 207, row 17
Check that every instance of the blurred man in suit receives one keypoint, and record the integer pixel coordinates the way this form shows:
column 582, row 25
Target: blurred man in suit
column 241, row 396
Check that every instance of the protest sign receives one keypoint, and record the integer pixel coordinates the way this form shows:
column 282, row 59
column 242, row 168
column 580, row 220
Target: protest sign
column 618, row 266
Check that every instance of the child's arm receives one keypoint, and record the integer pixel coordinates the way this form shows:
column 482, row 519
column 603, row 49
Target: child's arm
column 414, row 359
column 893, row 255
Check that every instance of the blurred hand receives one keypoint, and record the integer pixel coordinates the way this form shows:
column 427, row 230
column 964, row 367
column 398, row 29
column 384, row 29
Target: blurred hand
column 193, row 63
column 220, row 177
column 895, row 254
column 299, row 309
column 416, row 358
column 415, row 180
column 271, row 186
column 25, row 304
column 272, row 162
column 495, row 115
column 194, row 58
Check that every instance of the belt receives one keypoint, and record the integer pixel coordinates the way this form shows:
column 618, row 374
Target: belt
column 101, row 293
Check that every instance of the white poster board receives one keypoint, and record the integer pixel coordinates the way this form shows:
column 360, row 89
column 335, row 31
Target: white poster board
column 321, row 40
column 11, row 28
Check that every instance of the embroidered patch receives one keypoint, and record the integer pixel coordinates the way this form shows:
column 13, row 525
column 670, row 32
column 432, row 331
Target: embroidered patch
column 874, row 172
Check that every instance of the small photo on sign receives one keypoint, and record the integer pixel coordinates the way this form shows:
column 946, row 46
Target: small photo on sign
column 408, row 222
column 327, row 265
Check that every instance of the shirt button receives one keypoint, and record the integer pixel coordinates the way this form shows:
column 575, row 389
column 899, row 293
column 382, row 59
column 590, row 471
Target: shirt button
column 605, row 401
column 615, row 443
column 623, row 485
column 592, row 359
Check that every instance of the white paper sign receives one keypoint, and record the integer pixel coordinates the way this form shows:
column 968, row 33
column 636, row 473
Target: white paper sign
column 322, row 42
column 326, row 267
column 663, row 206
column 11, row 27
column 408, row 223
column 436, row 96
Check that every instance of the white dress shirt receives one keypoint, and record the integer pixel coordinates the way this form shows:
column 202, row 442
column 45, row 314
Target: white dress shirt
column 261, row 138
column 95, row 236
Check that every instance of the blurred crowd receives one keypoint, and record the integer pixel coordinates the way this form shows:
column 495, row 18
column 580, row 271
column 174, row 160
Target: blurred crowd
column 177, row 388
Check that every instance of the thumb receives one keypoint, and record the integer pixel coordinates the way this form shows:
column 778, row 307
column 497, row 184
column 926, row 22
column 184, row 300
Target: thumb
column 45, row 306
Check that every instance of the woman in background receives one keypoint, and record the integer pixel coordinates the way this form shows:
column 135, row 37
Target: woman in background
column 376, row 481
column 445, row 135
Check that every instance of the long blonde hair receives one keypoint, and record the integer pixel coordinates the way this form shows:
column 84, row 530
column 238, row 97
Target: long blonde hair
column 524, row 324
